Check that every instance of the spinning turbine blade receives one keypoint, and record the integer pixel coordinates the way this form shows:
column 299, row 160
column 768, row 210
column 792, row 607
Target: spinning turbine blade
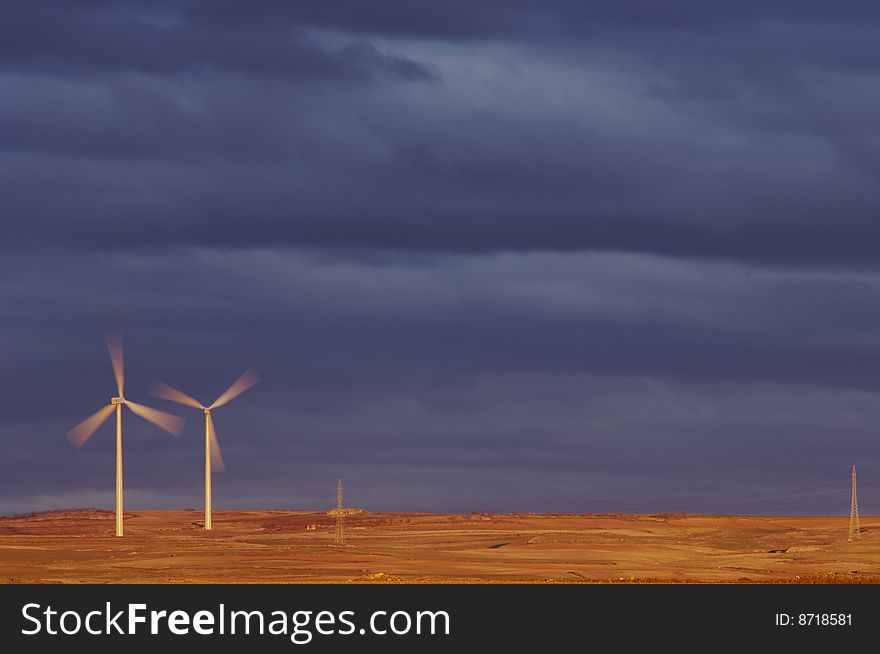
column 114, row 347
column 170, row 423
column 81, row 433
column 165, row 392
column 216, row 457
column 248, row 379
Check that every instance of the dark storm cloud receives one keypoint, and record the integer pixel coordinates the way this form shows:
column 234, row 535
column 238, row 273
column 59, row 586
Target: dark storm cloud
column 510, row 255
column 166, row 123
column 156, row 39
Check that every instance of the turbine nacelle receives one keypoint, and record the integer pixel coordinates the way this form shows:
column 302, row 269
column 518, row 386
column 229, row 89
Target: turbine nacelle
column 83, row 431
column 239, row 386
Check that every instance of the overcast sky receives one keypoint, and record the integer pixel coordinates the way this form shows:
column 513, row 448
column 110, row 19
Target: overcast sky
column 509, row 256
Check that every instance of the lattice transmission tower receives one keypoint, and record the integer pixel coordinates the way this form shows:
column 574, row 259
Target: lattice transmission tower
column 854, row 531
column 339, row 539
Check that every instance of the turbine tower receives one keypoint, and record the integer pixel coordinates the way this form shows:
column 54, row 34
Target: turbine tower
column 213, row 458
column 339, row 538
column 83, row 431
column 854, row 531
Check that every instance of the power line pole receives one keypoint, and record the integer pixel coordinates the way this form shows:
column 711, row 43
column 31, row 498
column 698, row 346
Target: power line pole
column 340, row 536
column 854, row 531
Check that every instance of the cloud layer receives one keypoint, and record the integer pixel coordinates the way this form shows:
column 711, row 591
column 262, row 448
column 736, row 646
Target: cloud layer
column 520, row 256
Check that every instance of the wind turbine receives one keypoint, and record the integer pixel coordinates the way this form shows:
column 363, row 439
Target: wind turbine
column 83, row 431
column 213, row 458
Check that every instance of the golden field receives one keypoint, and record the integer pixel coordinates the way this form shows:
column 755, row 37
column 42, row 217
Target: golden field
column 291, row 546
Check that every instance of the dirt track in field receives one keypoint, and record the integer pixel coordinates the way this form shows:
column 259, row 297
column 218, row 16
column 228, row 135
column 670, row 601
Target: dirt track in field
column 281, row 546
